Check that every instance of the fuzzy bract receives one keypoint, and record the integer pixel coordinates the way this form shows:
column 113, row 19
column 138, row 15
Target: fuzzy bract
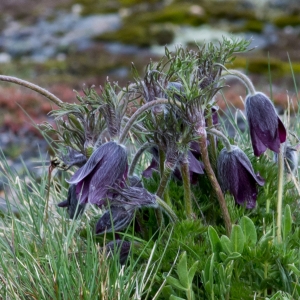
column 266, row 129
column 237, row 176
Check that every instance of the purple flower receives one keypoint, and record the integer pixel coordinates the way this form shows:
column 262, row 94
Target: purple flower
column 71, row 203
column 237, row 176
column 266, row 129
column 106, row 166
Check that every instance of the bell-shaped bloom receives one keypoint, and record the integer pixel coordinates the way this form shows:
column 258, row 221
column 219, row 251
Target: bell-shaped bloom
column 106, row 167
column 266, row 129
column 74, row 208
column 237, row 176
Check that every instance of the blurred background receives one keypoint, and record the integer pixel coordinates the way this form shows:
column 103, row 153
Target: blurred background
column 63, row 44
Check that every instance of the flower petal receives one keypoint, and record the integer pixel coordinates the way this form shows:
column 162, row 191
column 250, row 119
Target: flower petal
column 263, row 122
column 281, row 131
column 195, row 165
column 147, row 173
column 105, row 152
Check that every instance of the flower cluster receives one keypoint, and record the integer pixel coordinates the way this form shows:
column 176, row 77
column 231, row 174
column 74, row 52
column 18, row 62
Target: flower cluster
column 175, row 119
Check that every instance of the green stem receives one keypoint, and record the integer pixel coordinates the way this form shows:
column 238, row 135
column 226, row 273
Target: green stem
column 241, row 76
column 167, row 209
column 164, row 180
column 221, row 136
column 185, row 173
column 213, row 180
column 138, row 155
column 280, row 191
column 162, row 157
column 33, row 87
column 212, row 142
column 141, row 110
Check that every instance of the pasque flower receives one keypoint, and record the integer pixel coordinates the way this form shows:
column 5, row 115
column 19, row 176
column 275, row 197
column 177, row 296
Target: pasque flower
column 106, row 167
column 237, row 176
column 266, row 129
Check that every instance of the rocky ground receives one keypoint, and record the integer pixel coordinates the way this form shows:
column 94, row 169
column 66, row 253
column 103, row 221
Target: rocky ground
column 63, row 44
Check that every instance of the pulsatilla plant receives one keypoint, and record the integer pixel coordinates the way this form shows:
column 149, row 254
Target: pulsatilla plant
column 170, row 116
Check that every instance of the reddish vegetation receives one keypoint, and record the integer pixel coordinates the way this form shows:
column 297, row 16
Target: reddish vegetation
column 20, row 108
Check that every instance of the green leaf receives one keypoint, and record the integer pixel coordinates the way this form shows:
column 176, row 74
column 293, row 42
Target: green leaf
column 293, row 268
column 207, row 274
column 287, row 222
column 226, row 244
column 176, row 298
column 214, row 240
column 182, row 270
column 232, row 256
column 175, row 283
column 223, row 256
column 192, row 272
column 237, row 239
column 249, row 230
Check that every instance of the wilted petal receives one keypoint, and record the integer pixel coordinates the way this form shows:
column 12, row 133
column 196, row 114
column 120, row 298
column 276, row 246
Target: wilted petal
column 114, row 219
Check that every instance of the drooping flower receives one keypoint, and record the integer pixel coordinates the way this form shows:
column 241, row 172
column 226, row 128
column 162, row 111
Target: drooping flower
column 71, row 203
column 106, row 166
column 266, row 128
column 237, row 176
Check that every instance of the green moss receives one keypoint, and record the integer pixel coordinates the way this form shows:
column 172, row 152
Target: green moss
column 228, row 10
column 287, row 20
column 253, row 26
column 98, row 7
column 132, row 34
column 175, row 13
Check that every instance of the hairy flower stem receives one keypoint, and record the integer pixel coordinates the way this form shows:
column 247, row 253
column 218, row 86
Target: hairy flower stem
column 138, row 155
column 241, row 76
column 212, row 142
column 162, row 158
column 33, row 87
column 164, row 180
column 141, row 110
column 185, row 174
column 167, row 209
column 221, row 136
column 213, row 180
column 280, row 191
